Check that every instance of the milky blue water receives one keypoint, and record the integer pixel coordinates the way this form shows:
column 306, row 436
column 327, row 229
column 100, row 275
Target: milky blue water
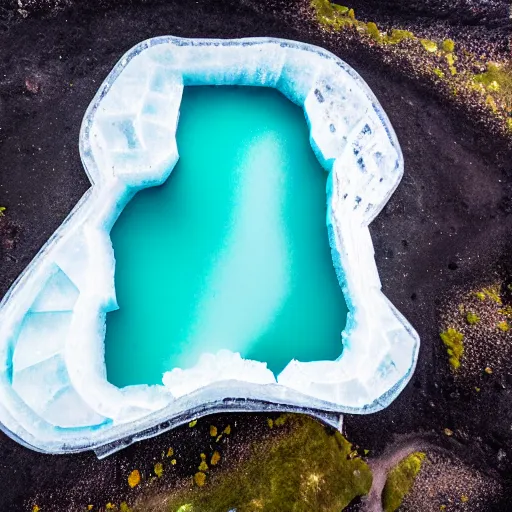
column 232, row 251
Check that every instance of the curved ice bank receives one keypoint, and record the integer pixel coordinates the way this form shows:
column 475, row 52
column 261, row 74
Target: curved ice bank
column 54, row 395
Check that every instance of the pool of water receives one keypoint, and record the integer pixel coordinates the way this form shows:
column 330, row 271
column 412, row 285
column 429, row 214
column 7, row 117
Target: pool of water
column 232, row 250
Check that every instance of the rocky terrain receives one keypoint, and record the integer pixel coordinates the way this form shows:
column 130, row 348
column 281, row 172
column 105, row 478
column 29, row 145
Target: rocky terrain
column 443, row 248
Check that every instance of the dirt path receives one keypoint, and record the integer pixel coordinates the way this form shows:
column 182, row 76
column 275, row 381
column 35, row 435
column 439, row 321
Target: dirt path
column 382, row 465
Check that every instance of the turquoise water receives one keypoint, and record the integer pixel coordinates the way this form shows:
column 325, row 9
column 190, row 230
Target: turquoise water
column 232, row 251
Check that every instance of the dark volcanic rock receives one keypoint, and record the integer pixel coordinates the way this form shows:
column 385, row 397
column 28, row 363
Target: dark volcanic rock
column 446, row 225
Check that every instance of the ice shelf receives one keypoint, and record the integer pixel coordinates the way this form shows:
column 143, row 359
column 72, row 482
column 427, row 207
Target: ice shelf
column 54, row 396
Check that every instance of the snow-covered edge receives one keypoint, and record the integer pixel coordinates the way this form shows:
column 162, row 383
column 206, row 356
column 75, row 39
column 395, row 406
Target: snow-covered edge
column 311, row 77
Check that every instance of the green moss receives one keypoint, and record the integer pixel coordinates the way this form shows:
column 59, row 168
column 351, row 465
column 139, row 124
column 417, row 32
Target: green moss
column 472, row 318
column 453, row 341
column 496, row 74
column 340, row 8
column 331, row 15
column 304, row 460
column 450, row 58
column 448, row 45
column 493, row 293
column 373, row 31
column 506, row 311
column 438, row 72
column 503, row 326
column 498, row 81
column 400, row 480
column 430, row 46
column 397, row 36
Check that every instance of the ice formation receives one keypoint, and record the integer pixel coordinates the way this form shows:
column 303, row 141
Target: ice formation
column 54, row 396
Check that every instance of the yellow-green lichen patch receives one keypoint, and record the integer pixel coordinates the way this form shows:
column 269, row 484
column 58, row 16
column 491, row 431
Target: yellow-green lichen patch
column 503, row 326
column 134, row 478
column 373, row 31
column 400, row 481
column 434, row 60
column 506, row 311
column 188, row 507
column 200, row 478
column 448, row 45
column 159, row 469
column 472, row 318
column 301, row 463
column 475, row 330
column 279, row 422
column 397, row 36
column 492, row 293
column 215, row 458
column 340, row 8
column 430, row 46
column 333, row 16
column 497, row 77
column 453, row 341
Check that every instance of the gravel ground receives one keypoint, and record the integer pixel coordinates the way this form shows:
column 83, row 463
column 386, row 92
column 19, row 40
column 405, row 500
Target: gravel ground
column 447, row 227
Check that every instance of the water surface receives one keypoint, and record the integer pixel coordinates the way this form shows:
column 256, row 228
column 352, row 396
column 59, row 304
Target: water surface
column 232, row 251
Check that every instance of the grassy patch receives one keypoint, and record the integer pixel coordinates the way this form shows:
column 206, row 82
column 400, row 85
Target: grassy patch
column 306, row 467
column 453, row 341
column 400, row 480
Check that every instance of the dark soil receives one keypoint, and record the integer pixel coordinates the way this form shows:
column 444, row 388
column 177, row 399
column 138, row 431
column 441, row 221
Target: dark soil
column 447, row 224
column 484, row 27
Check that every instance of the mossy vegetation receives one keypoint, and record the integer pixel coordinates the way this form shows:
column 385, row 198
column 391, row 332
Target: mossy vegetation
column 397, row 36
column 373, row 31
column 476, row 328
column 448, row 45
column 498, row 77
column 400, row 480
column 438, row 72
column 492, row 89
column 429, row 45
column 333, row 16
column 472, row 318
column 503, row 326
column 303, row 459
column 454, row 342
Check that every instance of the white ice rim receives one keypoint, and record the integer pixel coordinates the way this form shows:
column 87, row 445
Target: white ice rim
column 352, row 139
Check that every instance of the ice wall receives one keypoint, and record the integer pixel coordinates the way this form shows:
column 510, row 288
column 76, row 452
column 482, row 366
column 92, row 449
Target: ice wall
column 54, row 396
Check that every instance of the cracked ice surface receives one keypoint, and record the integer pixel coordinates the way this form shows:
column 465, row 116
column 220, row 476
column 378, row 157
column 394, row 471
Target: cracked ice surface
column 54, row 395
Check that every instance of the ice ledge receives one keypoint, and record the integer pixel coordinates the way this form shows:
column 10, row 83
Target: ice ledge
column 54, row 396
